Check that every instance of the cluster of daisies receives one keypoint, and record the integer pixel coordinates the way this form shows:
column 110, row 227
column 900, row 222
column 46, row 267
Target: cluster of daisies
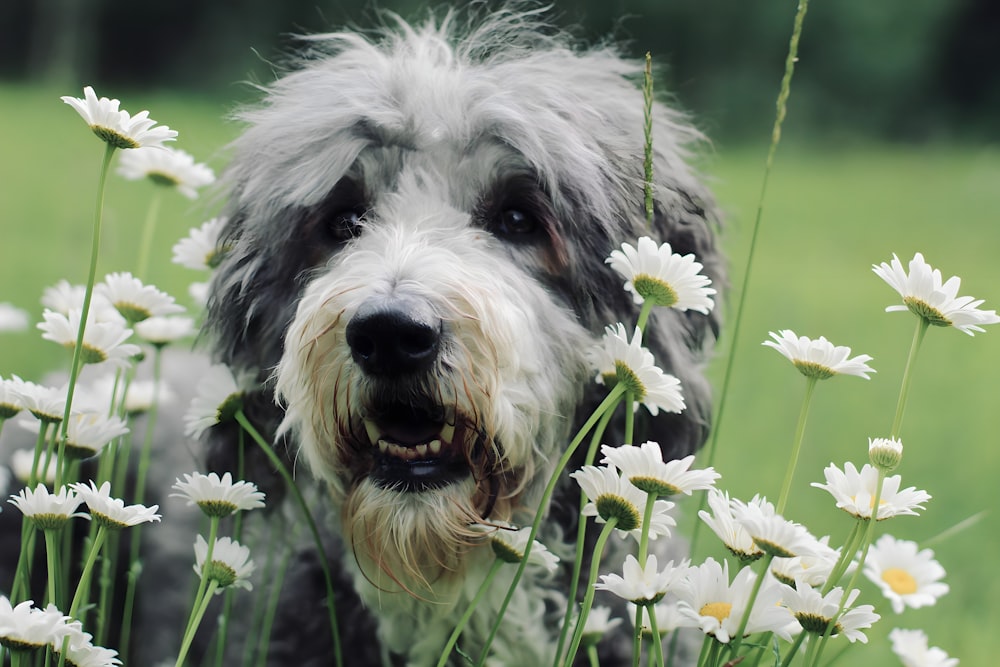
column 789, row 590
column 110, row 327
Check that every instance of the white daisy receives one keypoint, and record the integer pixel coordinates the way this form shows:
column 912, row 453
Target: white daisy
column 907, row 577
column 86, row 654
column 613, row 496
column 771, row 532
column 170, row 167
column 200, row 249
column 218, row 396
column 854, row 492
column 925, row 295
column 643, row 584
column 110, row 512
column 134, row 300
column 668, row 617
column 88, row 432
column 47, row 404
column 160, row 331
column 910, row 646
column 116, row 127
column 12, row 318
column 885, row 453
column 64, row 297
column 815, row 611
column 508, row 544
column 11, row 402
column 102, row 341
column 814, row 569
column 21, row 462
column 708, row 601
column 724, row 525
column 198, row 291
column 48, row 511
column 24, row 627
column 634, row 366
column 818, row 358
column 667, row 279
column 218, row 496
column 230, row 564
column 599, row 622
column 645, row 468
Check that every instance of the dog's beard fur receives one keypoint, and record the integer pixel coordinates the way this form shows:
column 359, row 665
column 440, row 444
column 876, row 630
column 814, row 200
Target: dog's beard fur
column 384, row 171
column 502, row 387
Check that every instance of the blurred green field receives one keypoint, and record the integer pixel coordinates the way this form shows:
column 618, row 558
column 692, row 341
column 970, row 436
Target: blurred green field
column 831, row 212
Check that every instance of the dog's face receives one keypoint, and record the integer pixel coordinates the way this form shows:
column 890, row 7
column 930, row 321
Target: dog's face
column 418, row 228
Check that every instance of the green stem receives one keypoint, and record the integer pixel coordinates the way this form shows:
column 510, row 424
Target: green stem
column 734, row 646
column 145, row 460
column 480, row 594
column 271, row 611
column 904, row 389
column 609, row 403
column 83, row 587
column 781, row 108
column 644, row 311
column 52, row 561
column 629, row 418
column 793, row 460
column 588, row 598
column 146, row 242
column 647, row 516
column 637, row 634
column 321, row 550
column 581, row 535
column 74, row 370
column 197, row 612
column 793, row 650
column 655, row 635
column 846, row 556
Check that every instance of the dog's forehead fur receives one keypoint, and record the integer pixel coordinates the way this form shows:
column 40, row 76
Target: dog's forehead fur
column 423, row 91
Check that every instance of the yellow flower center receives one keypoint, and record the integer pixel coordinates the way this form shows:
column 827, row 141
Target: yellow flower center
column 718, row 610
column 900, row 581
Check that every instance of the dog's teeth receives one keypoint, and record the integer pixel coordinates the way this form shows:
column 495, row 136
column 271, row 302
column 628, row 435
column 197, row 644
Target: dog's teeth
column 434, row 445
column 447, row 432
column 383, row 446
column 421, row 450
column 373, row 431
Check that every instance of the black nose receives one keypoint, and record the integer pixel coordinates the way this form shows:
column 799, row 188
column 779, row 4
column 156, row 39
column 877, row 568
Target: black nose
column 393, row 337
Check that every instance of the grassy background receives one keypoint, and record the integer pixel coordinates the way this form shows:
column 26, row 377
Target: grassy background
column 831, row 212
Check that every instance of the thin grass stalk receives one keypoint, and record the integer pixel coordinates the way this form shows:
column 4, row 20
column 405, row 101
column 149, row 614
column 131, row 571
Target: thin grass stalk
column 609, row 403
column 647, row 116
column 780, row 112
column 467, row 614
column 300, row 500
column 793, row 460
column 270, row 611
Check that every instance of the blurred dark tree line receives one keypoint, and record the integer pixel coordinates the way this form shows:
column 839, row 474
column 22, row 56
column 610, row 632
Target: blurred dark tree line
column 896, row 69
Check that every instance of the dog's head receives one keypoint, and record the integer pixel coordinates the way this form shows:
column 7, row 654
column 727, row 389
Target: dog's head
column 418, row 226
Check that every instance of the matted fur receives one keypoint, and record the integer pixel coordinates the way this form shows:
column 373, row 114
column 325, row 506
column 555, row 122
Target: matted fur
column 382, row 169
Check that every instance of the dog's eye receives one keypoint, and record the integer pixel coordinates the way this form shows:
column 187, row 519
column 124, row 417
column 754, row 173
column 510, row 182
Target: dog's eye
column 513, row 222
column 345, row 225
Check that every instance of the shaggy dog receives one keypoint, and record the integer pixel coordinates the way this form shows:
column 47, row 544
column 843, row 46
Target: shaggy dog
column 418, row 221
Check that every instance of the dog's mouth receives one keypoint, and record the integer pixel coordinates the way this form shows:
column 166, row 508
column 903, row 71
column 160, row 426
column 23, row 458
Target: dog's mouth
column 418, row 447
